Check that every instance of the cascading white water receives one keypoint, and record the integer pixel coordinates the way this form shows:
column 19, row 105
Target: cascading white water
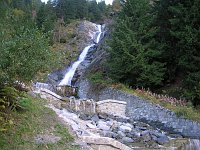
column 71, row 71
column 69, row 75
column 99, row 34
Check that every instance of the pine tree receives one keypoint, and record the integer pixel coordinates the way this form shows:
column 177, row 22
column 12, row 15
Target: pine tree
column 186, row 29
column 94, row 12
column 134, row 54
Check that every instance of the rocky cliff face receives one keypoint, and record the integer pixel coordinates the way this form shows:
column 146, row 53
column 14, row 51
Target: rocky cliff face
column 76, row 36
column 96, row 58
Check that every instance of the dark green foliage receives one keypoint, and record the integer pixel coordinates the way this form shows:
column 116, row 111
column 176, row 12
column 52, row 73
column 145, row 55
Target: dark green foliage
column 24, row 52
column 79, row 9
column 10, row 99
column 157, row 44
column 94, row 11
column 46, row 18
column 134, row 53
column 179, row 33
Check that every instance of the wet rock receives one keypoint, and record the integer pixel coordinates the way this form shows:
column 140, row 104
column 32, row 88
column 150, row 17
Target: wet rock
column 127, row 140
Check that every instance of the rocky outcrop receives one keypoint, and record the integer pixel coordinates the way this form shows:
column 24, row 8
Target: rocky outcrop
column 85, row 106
column 143, row 110
column 104, row 143
column 107, row 128
column 113, row 107
column 78, row 36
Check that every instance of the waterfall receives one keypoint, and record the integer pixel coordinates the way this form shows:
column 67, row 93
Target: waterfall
column 71, row 71
column 69, row 75
column 99, row 34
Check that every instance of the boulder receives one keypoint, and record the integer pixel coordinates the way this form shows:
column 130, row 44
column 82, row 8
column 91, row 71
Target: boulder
column 125, row 128
column 95, row 118
column 108, row 134
column 91, row 126
column 162, row 140
column 127, row 140
column 103, row 126
column 120, row 135
column 146, row 137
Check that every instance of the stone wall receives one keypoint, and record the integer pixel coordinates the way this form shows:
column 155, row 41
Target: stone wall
column 143, row 110
column 113, row 107
column 86, row 106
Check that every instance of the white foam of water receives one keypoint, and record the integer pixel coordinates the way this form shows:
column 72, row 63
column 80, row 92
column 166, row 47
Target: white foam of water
column 71, row 71
column 99, row 34
column 69, row 75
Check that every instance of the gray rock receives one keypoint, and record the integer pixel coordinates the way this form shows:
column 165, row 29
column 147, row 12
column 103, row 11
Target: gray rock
column 84, row 116
column 124, row 128
column 75, row 127
column 91, row 126
column 135, row 134
column 129, row 125
column 127, row 140
column 145, row 132
column 103, row 126
column 175, row 136
column 120, row 135
column 103, row 116
column 108, row 134
column 157, row 134
column 162, row 140
column 95, row 118
column 114, row 135
column 120, row 119
column 110, row 123
column 146, row 137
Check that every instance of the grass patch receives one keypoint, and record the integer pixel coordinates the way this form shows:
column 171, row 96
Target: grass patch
column 28, row 124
